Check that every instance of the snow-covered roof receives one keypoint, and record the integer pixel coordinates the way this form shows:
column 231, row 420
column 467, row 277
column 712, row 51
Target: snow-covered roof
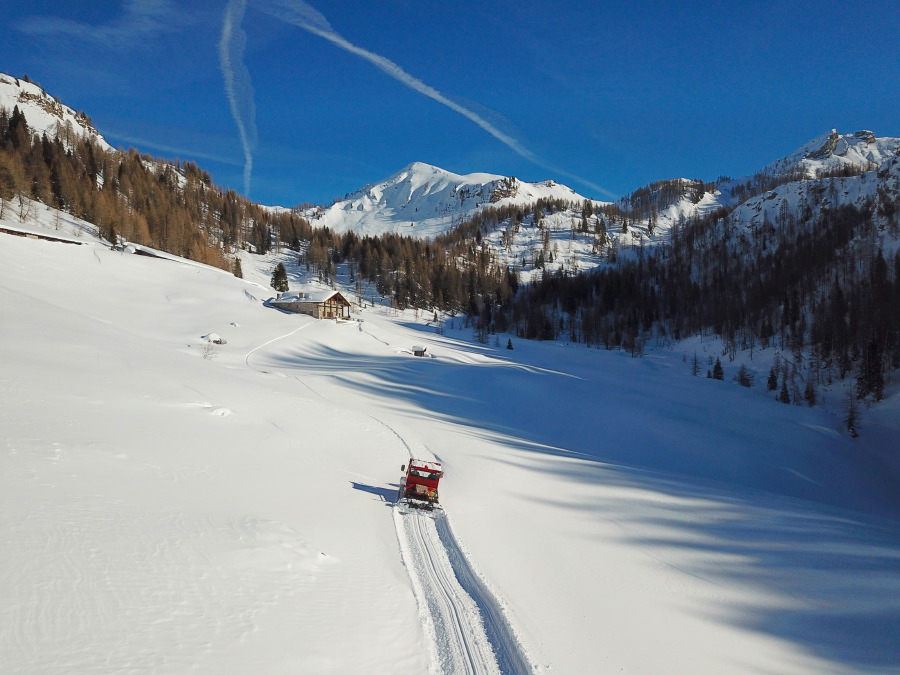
column 307, row 295
column 428, row 466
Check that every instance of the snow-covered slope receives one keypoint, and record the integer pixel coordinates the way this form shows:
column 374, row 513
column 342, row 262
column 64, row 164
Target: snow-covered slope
column 168, row 505
column 833, row 151
column 45, row 114
column 423, row 201
column 878, row 189
column 816, row 167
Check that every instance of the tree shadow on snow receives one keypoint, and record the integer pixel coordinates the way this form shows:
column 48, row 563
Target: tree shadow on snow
column 747, row 492
column 835, row 573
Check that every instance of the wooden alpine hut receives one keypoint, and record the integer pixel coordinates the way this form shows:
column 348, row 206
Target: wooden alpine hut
column 321, row 304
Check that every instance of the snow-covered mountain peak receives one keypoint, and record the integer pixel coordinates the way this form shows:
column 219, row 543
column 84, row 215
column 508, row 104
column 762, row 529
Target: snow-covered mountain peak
column 45, row 114
column 832, row 152
column 421, row 169
column 423, row 201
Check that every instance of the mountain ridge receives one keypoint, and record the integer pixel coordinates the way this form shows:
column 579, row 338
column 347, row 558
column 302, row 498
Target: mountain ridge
column 758, row 261
column 422, row 200
column 44, row 113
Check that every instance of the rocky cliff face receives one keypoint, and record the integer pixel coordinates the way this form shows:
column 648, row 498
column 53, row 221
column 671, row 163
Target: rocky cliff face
column 45, row 114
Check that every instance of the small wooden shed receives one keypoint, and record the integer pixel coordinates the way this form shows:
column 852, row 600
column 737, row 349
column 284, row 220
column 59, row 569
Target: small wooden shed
column 321, row 304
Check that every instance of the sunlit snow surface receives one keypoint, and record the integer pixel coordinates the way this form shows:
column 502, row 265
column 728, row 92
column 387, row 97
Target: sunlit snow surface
column 424, row 201
column 168, row 506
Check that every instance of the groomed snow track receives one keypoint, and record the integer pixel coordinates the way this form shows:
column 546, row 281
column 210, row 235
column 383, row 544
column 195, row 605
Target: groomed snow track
column 460, row 615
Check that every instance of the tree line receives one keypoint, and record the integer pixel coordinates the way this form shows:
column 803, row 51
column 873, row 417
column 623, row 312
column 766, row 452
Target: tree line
column 816, row 283
column 819, row 287
column 170, row 206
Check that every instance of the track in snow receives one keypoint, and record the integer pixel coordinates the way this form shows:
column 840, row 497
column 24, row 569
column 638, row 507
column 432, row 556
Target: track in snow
column 463, row 618
column 506, row 647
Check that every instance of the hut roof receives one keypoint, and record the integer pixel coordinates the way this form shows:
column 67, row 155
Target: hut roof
column 311, row 295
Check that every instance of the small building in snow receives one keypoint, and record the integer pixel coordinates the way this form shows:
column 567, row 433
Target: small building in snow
column 321, row 304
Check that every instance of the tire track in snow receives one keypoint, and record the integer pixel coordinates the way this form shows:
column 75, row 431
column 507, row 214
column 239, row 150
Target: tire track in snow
column 452, row 620
column 275, row 339
column 462, row 617
column 507, row 650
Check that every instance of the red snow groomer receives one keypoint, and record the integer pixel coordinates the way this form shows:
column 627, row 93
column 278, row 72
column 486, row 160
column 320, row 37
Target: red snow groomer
column 420, row 485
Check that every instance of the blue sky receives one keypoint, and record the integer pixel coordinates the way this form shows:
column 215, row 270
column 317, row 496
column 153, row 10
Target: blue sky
column 324, row 98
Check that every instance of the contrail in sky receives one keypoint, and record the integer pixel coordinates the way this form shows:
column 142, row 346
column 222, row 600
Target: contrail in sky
column 172, row 150
column 300, row 14
column 238, row 87
column 137, row 24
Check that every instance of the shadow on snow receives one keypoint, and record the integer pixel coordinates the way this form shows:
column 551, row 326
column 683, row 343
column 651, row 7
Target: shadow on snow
column 785, row 517
column 385, row 494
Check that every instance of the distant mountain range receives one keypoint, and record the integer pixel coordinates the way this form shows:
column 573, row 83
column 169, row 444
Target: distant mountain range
column 423, row 201
column 802, row 256
column 833, row 152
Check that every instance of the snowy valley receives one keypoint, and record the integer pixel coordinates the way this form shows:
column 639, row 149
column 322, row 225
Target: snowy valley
column 172, row 505
column 192, row 480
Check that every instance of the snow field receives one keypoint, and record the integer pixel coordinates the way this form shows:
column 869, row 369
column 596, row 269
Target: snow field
column 130, row 497
column 167, row 510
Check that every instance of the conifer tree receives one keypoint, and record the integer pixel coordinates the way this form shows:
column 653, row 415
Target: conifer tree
column 718, row 373
column 783, row 395
column 810, row 393
column 772, row 382
column 279, row 278
column 744, row 377
column 871, row 378
column 852, row 417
